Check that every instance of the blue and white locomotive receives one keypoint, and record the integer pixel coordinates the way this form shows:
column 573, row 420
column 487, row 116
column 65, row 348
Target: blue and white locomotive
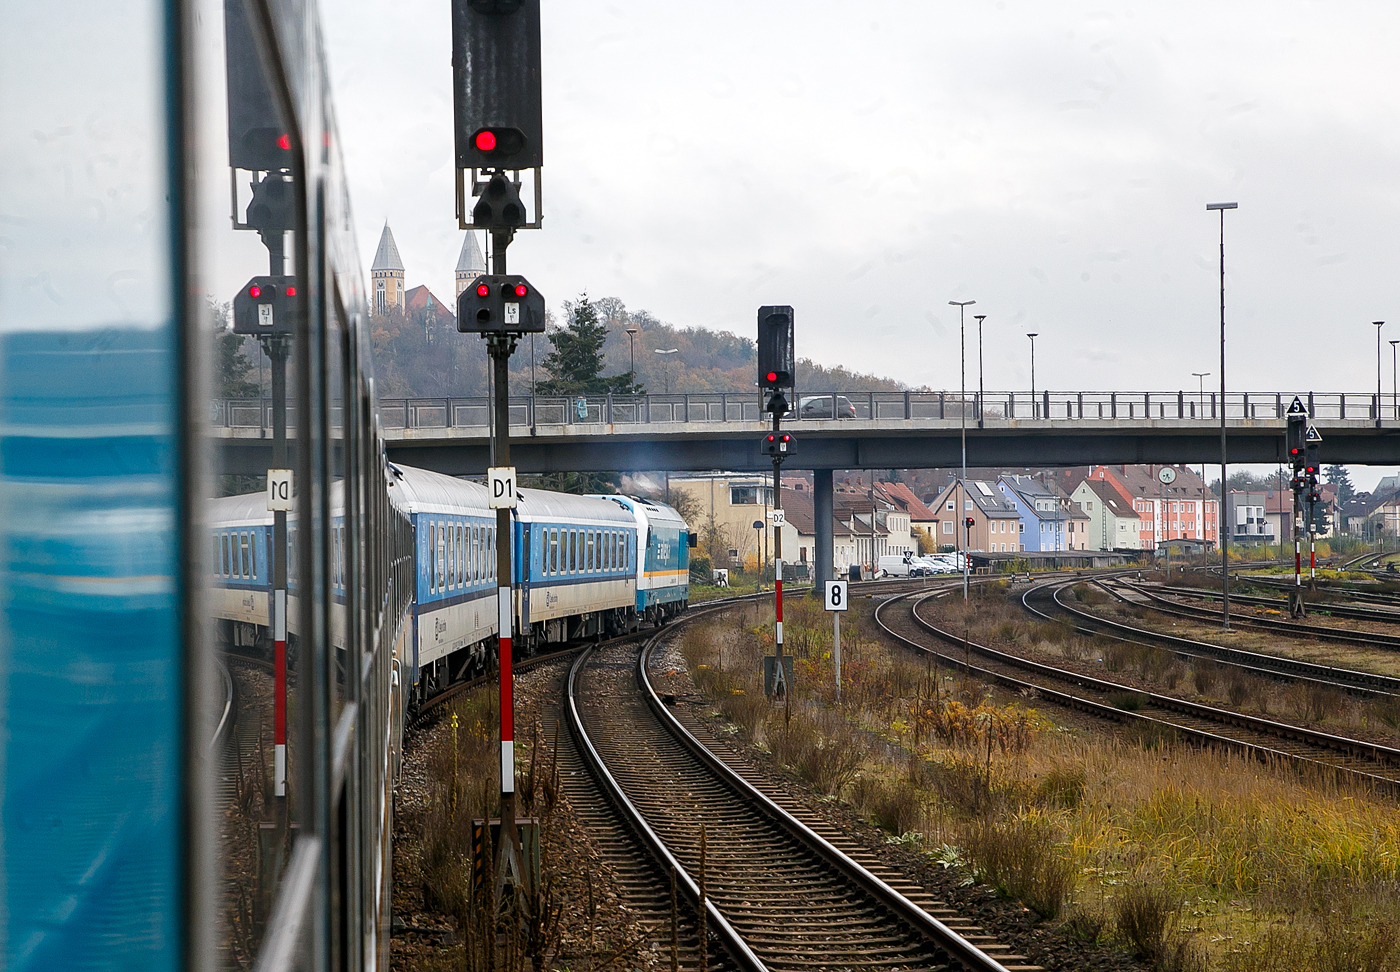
column 585, row 567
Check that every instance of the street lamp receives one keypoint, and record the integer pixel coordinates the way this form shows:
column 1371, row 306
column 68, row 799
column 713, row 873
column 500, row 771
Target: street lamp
column 1201, row 377
column 981, row 391
column 632, row 347
column 1379, row 325
column 1221, row 527
column 962, row 305
column 1035, row 409
column 666, row 363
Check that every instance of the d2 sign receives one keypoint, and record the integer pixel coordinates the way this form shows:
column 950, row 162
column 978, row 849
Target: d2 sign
column 500, row 481
column 279, row 490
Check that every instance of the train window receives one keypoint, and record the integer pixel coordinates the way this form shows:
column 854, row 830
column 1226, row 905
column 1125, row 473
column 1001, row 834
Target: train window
column 573, row 550
column 607, row 550
column 237, row 558
column 491, row 553
column 253, row 553
column 453, row 533
column 477, row 545
column 441, row 557
column 461, row 557
column 215, row 538
column 588, row 564
column 245, row 568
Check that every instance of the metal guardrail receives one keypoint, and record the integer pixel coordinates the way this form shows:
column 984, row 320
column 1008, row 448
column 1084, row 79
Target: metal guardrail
column 711, row 408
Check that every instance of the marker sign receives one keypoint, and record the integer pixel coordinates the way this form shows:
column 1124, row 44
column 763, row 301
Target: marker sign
column 779, row 517
column 279, row 490
column 1313, row 435
column 836, row 595
column 1297, row 407
column 512, row 312
column 500, row 480
column 264, row 315
column 1167, row 475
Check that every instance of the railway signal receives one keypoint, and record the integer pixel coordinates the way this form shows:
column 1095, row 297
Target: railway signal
column 775, row 348
column 267, row 305
column 1297, row 436
column 775, row 369
column 502, row 303
column 779, row 444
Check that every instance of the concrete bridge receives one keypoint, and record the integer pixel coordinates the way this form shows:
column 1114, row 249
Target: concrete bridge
column 888, row 430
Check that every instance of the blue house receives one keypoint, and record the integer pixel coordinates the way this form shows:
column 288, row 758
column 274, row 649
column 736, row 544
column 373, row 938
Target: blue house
column 1045, row 520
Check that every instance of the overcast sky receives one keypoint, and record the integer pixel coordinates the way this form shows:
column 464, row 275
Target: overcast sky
column 868, row 162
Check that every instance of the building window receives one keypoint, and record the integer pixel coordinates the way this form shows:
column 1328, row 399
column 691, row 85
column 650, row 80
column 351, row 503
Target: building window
column 948, row 526
column 750, row 495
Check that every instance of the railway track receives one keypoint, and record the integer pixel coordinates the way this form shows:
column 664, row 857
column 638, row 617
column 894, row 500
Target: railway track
column 1337, row 609
column 1366, row 684
column 1372, row 765
column 776, row 894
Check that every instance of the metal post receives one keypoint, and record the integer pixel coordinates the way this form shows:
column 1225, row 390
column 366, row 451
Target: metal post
column 981, row 390
column 278, row 351
column 1394, row 395
column 836, row 648
column 778, row 553
column 821, row 512
column 961, row 305
column 1035, row 406
column 1379, row 326
column 1223, row 528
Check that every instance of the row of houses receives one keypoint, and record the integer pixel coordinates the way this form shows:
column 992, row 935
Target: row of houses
column 1095, row 508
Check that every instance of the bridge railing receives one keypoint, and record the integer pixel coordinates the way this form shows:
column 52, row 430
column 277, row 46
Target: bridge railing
column 718, row 407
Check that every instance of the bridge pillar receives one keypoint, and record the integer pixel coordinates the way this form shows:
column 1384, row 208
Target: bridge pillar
column 821, row 513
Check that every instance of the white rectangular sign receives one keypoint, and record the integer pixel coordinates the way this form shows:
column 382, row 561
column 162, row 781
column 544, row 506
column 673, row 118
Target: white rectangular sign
column 500, row 480
column 512, row 313
column 264, row 315
column 279, row 490
column 835, row 596
column 779, row 517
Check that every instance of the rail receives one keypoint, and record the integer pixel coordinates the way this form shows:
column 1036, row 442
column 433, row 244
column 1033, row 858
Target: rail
column 529, row 411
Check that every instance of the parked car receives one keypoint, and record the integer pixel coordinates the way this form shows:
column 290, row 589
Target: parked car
column 893, row 565
column 819, row 406
column 937, row 565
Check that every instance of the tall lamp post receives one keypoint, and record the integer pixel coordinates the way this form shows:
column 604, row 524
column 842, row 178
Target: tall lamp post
column 632, row 348
column 1035, row 409
column 1379, row 325
column 1201, row 377
column 981, row 391
column 1221, row 526
column 962, row 306
column 667, row 364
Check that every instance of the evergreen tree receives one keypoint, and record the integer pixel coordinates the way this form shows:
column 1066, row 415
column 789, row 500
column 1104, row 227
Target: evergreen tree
column 1339, row 477
column 575, row 365
column 234, row 372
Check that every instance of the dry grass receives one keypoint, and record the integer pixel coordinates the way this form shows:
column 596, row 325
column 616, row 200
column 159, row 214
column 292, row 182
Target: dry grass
column 1075, row 823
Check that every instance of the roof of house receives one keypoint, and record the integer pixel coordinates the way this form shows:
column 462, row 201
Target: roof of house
column 987, row 498
column 1115, row 501
column 902, row 496
column 421, row 298
column 387, row 256
column 797, row 505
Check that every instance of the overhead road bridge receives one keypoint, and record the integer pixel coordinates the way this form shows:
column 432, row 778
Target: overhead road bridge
column 906, row 430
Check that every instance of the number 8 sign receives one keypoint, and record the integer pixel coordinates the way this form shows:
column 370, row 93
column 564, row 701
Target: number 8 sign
column 835, row 595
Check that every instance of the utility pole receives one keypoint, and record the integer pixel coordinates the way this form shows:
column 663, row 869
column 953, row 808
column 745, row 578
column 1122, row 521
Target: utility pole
column 1222, row 527
column 981, row 389
column 962, row 306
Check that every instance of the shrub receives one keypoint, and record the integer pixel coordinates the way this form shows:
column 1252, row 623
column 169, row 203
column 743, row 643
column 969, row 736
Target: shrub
column 1205, row 672
column 1128, row 701
column 1061, row 788
column 825, row 756
column 892, row 805
column 1239, row 690
column 1020, row 857
column 1088, row 924
column 1148, row 915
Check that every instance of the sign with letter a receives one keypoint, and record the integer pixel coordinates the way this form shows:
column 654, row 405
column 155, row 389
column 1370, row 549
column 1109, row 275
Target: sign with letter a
column 500, row 480
column 279, row 490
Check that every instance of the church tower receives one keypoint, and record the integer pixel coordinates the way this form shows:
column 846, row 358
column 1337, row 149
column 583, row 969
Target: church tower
column 470, row 265
column 386, row 275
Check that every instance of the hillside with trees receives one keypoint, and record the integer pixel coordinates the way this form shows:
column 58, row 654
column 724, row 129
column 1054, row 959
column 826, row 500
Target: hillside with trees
column 419, row 354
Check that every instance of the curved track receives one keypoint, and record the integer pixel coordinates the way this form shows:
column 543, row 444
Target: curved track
column 1272, row 666
column 778, row 895
column 1370, row 764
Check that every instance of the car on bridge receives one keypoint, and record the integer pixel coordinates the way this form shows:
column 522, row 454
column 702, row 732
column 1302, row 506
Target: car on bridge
column 821, row 406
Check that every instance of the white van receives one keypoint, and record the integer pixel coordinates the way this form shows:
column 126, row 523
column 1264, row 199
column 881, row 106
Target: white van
column 893, row 565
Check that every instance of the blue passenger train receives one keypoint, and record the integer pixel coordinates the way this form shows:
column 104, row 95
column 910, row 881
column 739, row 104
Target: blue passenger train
column 577, row 571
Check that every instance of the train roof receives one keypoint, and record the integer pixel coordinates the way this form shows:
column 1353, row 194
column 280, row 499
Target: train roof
column 656, row 512
column 542, row 504
column 416, row 490
column 250, row 509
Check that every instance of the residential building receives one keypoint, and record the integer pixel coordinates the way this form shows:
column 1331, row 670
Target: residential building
column 801, row 527
column 730, row 503
column 1180, row 510
column 996, row 524
column 890, row 534
column 1113, row 523
column 386, row 275
column 922, row 520
column 1049, row 520
column 1245, row 515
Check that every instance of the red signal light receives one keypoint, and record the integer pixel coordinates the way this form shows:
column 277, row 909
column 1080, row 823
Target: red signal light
column 521, row 290
column 255, row 291
column 772, row 376
column 786, row 437
column 486, row 141
column 482, row 290
column 291, row 291
column 284, row 141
